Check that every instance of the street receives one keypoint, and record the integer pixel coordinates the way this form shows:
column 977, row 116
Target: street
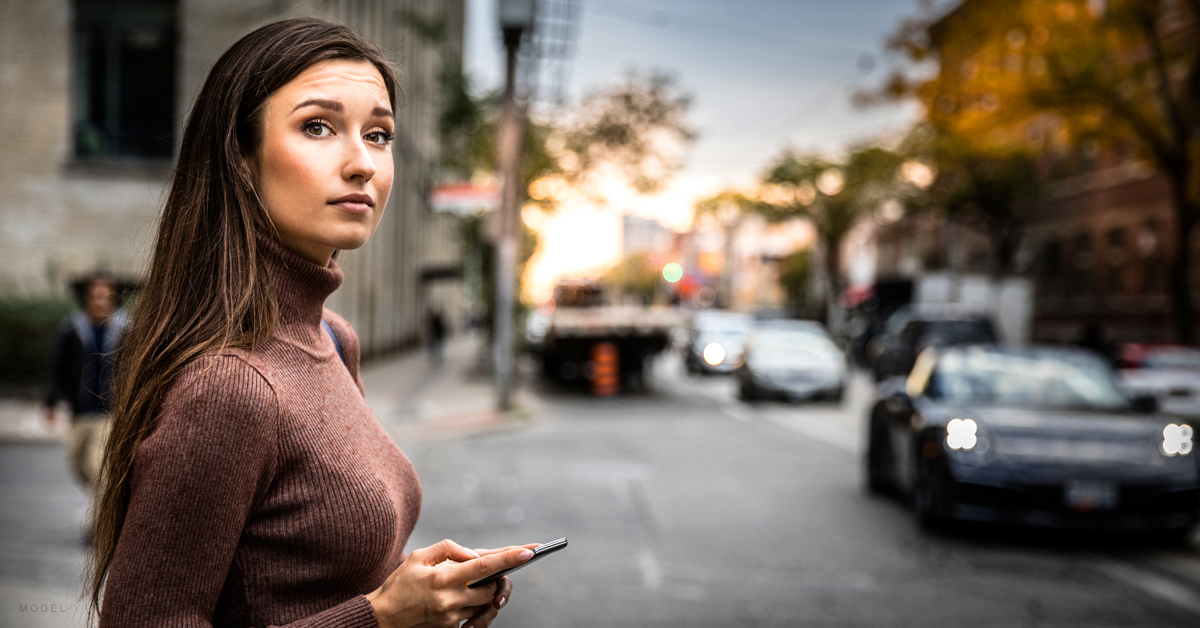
column 685, row 507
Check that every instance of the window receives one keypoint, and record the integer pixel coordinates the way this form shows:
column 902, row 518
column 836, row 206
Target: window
column 1148, row 251
column 1115, row 256
column 124, row 79
column 1082, row 285
column 1052, row 269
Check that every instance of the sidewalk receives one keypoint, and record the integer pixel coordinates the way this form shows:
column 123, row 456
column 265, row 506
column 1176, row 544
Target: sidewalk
column 412, row 399
column 415, row 400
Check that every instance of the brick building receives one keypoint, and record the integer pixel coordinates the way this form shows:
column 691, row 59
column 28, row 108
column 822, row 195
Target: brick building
column 1101, row 235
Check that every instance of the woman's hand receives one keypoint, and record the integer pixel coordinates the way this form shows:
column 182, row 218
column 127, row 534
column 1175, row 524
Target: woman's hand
column 486, row 614
column 430, row 587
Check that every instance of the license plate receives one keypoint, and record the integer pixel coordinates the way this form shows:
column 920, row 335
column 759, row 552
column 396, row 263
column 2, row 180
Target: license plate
column 1089, row 495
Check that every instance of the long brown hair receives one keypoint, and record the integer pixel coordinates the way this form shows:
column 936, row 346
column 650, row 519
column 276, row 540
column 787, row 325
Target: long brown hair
column 207, row 288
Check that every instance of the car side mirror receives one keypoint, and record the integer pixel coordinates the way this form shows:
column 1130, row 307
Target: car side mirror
column 898, row 403
column 1145, row 404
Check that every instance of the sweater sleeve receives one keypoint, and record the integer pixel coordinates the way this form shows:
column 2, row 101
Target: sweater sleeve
column 196, row 479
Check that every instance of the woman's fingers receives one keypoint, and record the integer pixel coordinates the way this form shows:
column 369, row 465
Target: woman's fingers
column 487, row 614
column 485, row 552
column 483, row 617
column 485, row 566
column 503, row 592
column 445, row 550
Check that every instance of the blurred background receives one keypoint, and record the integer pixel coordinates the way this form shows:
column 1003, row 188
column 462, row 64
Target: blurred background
column 710, row 309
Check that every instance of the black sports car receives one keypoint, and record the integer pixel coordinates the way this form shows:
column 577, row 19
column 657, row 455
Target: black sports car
column 1033, row 436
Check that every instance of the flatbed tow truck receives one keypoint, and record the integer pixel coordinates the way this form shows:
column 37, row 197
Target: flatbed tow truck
column 608, row 347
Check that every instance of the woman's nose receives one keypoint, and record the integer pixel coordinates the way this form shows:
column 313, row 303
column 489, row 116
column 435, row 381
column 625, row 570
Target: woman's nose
column 359, row 161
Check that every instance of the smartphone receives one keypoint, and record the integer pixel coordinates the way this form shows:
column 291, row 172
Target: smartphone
column 542, row 550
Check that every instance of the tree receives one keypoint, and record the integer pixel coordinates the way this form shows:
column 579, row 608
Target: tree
column 634, row 275
column 1107, row 70
column 833, row 196
column 988, row 185
column 794, row 276
column 639, row 126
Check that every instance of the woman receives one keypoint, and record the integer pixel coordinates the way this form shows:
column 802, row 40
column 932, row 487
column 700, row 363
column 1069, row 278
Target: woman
column 246, row 481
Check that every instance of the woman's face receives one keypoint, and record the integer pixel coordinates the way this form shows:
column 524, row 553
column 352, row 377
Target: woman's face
column 324, row 168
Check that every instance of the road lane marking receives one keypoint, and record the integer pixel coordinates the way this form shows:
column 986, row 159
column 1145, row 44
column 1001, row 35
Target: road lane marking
column 1149, row 582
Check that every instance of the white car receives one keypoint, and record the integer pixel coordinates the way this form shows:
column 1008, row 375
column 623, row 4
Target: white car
column 1169, row 373
column 792, row 360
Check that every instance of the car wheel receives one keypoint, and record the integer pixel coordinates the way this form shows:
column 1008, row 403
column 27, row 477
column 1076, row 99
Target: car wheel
column 877, row 462
column 746, row 391
column 932, row 497
column 1174, row 537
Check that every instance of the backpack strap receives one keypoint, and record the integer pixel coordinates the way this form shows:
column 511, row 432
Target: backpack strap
column 336, row 343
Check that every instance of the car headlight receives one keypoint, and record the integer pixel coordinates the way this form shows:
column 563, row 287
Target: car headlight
column 714, row 353
column 1177, row 440
column 960, row 434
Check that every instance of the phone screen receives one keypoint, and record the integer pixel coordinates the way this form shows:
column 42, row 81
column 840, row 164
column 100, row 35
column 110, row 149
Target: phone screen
column 538, row 552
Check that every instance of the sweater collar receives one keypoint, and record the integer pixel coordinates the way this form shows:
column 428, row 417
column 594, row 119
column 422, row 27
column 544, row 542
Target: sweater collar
column 300, row 286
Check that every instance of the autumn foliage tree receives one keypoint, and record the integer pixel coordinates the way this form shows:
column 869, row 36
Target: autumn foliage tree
column 1108, row 72
column 832, row 195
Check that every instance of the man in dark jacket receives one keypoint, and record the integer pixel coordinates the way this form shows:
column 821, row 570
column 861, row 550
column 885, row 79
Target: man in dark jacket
column 81, row 371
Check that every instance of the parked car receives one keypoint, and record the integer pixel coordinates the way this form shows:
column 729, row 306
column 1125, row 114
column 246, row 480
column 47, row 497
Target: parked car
column 791, row 360
column 1169, row 373
column 715, row 340
column 1037, row 436
column 913, row 328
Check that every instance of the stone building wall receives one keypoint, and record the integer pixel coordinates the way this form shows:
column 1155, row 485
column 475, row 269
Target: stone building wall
column 61, row 215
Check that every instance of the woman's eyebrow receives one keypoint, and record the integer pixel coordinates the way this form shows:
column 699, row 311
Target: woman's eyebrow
column 333, row 105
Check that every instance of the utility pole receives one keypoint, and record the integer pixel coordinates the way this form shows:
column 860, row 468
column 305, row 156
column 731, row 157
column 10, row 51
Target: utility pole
column 516, row 17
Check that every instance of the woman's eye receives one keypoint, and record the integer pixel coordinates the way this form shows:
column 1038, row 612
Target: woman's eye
column 379, row 137
column 317, row 129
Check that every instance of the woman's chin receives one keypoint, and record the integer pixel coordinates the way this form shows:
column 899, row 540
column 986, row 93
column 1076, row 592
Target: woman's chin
column 349, row 240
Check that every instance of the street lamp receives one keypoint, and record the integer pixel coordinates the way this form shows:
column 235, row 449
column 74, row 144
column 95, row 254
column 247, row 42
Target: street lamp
column 516, row 18
column 517, row 14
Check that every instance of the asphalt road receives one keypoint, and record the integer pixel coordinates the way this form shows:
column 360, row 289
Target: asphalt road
column 685, row 507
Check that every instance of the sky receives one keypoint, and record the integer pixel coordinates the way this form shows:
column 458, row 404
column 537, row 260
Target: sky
column 763, row 75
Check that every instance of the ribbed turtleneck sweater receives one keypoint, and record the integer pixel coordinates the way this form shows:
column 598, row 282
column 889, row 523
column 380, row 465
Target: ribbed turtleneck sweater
column 267, row 493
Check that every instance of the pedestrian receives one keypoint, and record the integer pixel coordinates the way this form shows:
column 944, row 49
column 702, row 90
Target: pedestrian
column 81, row 372
column 246, row 481
column 437, row 337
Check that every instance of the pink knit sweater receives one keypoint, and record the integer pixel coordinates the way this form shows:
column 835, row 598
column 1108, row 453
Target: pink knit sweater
column 268, row 494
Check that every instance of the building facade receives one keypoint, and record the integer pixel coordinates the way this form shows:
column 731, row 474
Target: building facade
column 95, row 93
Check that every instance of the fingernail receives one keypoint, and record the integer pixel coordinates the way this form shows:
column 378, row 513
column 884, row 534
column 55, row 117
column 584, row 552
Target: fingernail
column 525, row 555
column 502, row 602
column 475, row 554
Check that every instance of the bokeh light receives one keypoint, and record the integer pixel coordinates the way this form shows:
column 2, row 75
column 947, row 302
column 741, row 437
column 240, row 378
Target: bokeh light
column 960, row 433
column 714, row 353
column 672, row 272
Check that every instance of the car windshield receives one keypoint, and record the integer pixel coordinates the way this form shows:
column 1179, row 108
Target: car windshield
column 1172, row 358
column 1059, row 380
column 958, row 332
column 794, row 340
column 723, row 324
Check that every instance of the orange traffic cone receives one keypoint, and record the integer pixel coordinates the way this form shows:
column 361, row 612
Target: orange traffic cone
column 606, row 370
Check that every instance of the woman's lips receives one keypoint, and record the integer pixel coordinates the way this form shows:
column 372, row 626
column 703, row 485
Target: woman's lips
column 357, row 203
column 358, row 208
